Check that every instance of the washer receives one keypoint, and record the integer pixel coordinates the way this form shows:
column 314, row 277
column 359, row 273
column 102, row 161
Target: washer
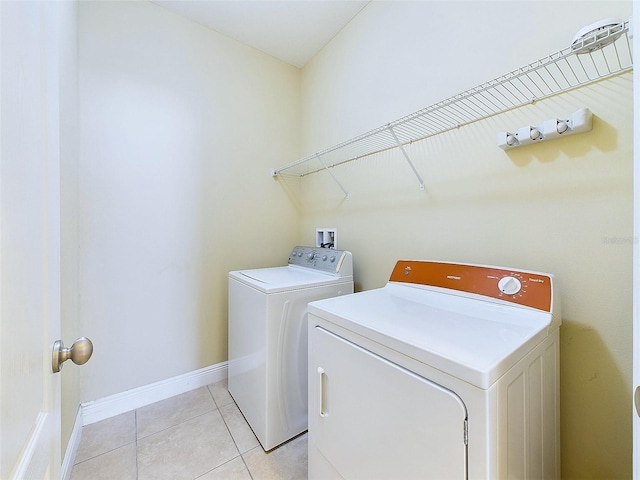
column 450, row 371
column 267, row 374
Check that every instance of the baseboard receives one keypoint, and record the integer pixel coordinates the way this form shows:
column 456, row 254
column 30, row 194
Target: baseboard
column 34, row 457
column 72, row 447
column 113, row 405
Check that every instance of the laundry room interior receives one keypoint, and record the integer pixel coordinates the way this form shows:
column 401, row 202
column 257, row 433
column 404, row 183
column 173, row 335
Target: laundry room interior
column 172, row 132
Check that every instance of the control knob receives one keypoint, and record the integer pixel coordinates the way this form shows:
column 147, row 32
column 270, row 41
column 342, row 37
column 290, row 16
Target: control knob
column 311, row 256
column 509, row 285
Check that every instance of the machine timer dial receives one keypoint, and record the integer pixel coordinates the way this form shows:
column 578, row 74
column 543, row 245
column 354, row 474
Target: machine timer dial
column 509, row 285
column 311, row 255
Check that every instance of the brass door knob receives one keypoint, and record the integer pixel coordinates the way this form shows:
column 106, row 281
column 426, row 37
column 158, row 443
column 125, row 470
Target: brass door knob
column 80, row 353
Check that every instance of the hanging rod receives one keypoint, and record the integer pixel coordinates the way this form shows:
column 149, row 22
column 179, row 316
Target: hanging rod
column 575, row 66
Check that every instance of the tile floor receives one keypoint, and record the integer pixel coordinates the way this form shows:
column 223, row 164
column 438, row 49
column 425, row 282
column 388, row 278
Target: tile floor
column 197, row 435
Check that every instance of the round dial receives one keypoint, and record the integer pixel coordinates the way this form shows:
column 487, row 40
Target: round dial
column 509, row 285
column 311, row 256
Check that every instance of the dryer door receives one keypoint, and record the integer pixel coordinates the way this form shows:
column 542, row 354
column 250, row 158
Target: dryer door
column 370, row 418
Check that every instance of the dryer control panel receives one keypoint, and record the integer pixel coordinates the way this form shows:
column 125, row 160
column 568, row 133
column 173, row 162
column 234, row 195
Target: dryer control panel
column 337, row 262
column 526, row 288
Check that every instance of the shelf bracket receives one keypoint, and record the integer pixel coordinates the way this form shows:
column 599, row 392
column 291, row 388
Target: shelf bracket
column 406, row 155
column 346, row 194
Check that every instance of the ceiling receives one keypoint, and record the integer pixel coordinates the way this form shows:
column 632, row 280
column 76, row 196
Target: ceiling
column 291, row 30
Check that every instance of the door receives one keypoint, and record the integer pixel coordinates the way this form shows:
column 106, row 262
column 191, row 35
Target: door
column 373, row 419
column 29, row 240
column 636, row 251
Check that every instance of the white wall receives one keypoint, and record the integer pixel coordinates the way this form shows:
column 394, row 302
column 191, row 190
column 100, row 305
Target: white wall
column 636, row 258
column 179, row 128
column 563, row 207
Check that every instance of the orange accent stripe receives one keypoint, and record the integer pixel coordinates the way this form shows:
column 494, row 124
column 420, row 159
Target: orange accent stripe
column 535, row 291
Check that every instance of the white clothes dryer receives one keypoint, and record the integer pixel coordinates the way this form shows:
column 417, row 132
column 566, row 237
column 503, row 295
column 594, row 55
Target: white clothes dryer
column 267, row 372
column 450, row 371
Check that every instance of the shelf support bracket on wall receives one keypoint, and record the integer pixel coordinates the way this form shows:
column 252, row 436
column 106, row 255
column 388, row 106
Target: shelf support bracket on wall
column 573, row 67
column 406, row 155
column 346, row 194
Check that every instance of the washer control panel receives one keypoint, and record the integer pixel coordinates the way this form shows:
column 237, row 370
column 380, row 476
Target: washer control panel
column 530, row 289
column 323, row 259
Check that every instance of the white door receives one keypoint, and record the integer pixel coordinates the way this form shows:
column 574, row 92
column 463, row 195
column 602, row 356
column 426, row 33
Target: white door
column 373, row 419
column 636, row 251
column 29, row 240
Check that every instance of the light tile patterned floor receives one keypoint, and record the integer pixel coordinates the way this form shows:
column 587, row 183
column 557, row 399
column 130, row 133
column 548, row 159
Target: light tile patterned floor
column 197, row 435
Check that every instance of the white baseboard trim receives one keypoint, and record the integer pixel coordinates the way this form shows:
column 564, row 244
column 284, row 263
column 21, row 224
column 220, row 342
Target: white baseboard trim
column 72, row 447
column 34, row 457
column 113, row 405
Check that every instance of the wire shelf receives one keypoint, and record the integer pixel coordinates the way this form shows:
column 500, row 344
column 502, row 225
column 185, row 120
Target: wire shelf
column 573, row 67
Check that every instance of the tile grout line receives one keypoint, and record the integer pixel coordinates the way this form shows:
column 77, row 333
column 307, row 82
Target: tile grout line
column 175, row 425
column 94, row 456
column 240, row 454
column 172, row 426
column 136, row 442
column 180, row 422
column 228, row 430
column 225, row 424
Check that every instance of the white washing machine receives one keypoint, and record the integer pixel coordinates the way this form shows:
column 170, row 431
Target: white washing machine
column 449, row 371
column 268, row 337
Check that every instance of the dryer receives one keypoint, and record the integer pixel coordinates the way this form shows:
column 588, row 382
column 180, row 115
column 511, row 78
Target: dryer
column 267, row 371
column 450, row 371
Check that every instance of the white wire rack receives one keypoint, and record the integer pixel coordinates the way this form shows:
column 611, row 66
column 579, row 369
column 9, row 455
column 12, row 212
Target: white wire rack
column 575, row 66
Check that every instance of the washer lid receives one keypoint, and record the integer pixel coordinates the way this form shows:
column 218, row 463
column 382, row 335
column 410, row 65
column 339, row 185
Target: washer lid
column 471, row 339
column 281, row 279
